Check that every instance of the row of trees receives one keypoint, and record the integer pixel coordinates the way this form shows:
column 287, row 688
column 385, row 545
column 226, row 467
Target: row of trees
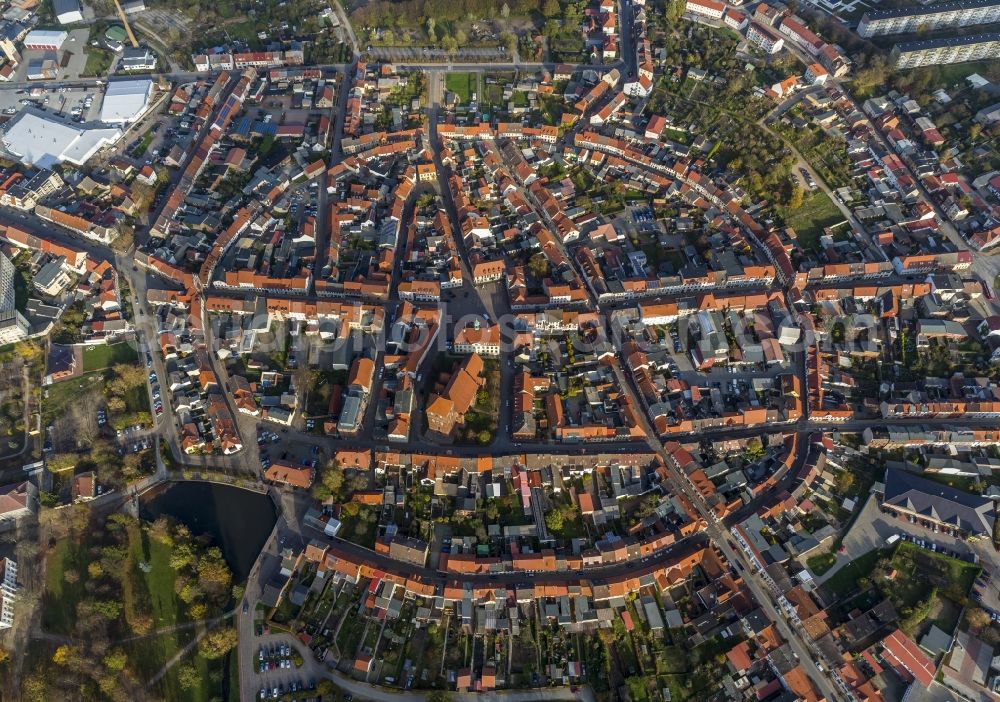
column 415, row 13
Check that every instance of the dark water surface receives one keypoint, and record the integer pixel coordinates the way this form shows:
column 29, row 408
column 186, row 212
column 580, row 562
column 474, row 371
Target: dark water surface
column 239, row 521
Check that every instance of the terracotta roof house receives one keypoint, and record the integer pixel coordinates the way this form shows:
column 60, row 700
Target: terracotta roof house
column 290, row 475
column 446, row 410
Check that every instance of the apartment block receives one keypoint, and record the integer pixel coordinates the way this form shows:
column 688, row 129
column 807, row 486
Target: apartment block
column 932, row 52
column 904, row 20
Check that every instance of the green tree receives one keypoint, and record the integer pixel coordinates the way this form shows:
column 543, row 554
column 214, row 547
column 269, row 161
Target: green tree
column 330, row 483
column 754, row 450
column 219, row 642
column 796, row 197
column 977, row 618
column 550, row 8
column 844, row 481
column 508, row 41
column 188, row 677
column 115, row 660
column 109, row 609
column 539, row 266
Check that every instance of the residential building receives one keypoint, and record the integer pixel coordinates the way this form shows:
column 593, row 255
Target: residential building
column 911, row 18
column 706, row 8
column 932, row 52
column 52, row 278
column 446, row 410
column 765, row 38
column 8, row 591
column 141, row 59
column 940, row 507
column 13, row 326
column 16, row 500
column 26, row 193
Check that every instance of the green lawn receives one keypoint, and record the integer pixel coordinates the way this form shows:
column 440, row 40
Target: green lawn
column 245, row 31
column 147, row 139
column 98, row 61
column 920, row 569
column 955, row 72
column 150, row 654
column 821, row 563
column 845, row 580
column 462, row 84
column 817, row 211
column 61, row 597
column 86, row 389
column 107, row 355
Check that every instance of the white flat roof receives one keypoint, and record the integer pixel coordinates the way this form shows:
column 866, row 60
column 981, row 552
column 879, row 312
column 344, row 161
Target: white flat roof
column 45, row 36
column 125, row 100
column 41, row 140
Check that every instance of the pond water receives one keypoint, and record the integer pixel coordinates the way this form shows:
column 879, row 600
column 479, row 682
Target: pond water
column 239, row 521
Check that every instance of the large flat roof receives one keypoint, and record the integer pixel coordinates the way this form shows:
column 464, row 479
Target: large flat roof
column 124, row 100
column 925, row 44
column 933, row 9
column 39, row 139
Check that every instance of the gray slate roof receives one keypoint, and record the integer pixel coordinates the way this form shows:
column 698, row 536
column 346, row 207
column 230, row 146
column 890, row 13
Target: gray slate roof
column 970, row 513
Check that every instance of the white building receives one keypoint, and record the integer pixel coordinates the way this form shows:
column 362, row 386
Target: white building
column 706, row 8
column 137, row 60
column 8, row 591
column 931, row 52
column 126, row 100
column 45, row 39
column 904, row 20
column 42, row 140
column 67, row 11
column 765, row 38
column 13, row 326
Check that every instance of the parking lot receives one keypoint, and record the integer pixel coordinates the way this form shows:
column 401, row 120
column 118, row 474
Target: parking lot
column 278, row 674
column 57, row 100
column 71, row 53
column 273, row 448
column 872, row 529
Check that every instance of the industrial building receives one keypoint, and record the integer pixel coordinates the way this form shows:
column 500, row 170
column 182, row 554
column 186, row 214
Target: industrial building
column 36, row 138
column 931, row 52
column 904, row 20
column 126, row 100
column 67, row 11
column 45, row 39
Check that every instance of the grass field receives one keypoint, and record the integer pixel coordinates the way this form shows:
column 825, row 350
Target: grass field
column 845, row 579
column 462, row 84
column 920, row 569
column 98, row 61
column 107, row 355
column 156, row 582
column 61, row 597
column 817, row 211
column 953, row 73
